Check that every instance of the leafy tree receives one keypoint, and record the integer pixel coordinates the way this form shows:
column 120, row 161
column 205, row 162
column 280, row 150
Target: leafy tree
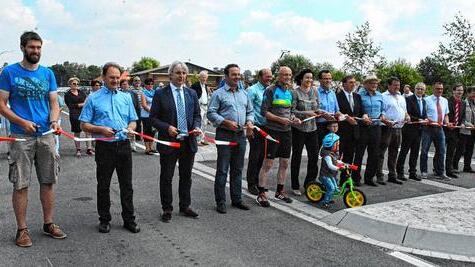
column 295, row 62
column 145, row 63
column 432, row 70
column 361, row 54
column 400, row 69
column 68, row 69
column 456, row 52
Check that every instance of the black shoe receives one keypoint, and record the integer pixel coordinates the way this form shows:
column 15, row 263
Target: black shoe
column 456, row 171
column 394, row 181
column 381, row 182
column 452, row 175
column 401, row 177
column 371, row 183
column 252, row 189
column 221, row 208
column 356, row 183
column 469, row 170
column 414, row 177
column 240, row 206
column 188, row 212
column 166, row 216
column 132, row 227
column 104, row 227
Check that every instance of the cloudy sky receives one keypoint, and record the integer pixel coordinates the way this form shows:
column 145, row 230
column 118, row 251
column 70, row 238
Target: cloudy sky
column 213, row 33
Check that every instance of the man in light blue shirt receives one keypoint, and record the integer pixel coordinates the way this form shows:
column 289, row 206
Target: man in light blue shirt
column 230, row 110
column 105, row 114
column 256, row 141
column 437, row 114
column 328, row 104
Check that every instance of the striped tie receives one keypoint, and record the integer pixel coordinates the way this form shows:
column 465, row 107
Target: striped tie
column 457, row 110
column 181, row 116
column 439, row 111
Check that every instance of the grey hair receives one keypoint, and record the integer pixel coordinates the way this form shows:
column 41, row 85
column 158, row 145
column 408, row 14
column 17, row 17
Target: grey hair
column 176, row 64
column 420, row 84
column 203, row 73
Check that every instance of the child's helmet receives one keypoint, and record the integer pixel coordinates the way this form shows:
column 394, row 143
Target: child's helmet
column 330, row 139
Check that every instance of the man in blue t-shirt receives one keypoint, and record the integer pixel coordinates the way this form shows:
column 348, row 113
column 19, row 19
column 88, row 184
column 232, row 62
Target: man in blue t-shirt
column 31, row 91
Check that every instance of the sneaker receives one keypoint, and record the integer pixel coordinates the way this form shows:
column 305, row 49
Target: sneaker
column 282, row 195
column 133, row 147
column 442, row 177
column 54, row 231
column 325, row 206
column 23, row 238
column 78, row 153
column 262, row 200
column 90, row 152
column 296, row 192
column 424, row 175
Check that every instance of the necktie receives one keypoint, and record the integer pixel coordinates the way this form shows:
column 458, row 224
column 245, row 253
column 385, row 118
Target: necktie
column 439, row 111
column 421, row 107
column 181, row 116
column 457, row 109
column 350, row 99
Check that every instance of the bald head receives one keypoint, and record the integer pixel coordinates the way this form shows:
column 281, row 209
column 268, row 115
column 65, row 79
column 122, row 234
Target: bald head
column 265, row 76
column 285, row 76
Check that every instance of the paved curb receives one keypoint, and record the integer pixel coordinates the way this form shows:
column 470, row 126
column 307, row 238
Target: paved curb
column 401, row 234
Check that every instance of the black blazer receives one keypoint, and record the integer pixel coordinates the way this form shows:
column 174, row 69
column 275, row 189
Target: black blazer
column 451, row 101
column 163, row 114
column 413, row 109
column 345, row 128
column 197, row 87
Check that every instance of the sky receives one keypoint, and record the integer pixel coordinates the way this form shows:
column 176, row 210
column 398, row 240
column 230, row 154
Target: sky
column 213, row 33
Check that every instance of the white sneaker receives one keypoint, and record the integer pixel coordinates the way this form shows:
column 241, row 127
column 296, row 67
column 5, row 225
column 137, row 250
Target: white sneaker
column 424, row 175
column 296, row 192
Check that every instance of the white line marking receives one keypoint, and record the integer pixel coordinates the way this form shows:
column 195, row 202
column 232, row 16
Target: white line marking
column 49, row 262
column 411, row 259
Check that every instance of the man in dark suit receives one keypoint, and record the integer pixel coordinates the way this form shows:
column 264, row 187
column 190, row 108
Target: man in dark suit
column 175, row 112
column 452, row 135
column 350, row 104
column 411, row 133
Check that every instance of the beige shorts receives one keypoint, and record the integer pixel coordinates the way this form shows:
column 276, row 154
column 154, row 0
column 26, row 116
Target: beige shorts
column 39, row 151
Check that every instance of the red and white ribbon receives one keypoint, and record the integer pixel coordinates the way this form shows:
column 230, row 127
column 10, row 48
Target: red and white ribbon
column 265, row 135
column 150, row 138
column 219, row 142
column 79, row 139
column 11, row 139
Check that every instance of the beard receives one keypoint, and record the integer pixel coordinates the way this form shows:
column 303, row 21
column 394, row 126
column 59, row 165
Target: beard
column 32, row 58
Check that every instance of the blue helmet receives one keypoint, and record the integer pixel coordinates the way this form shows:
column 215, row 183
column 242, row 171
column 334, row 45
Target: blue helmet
column 330, row 139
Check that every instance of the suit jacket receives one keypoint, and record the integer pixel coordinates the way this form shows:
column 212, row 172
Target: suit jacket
column 163, row 114
column 451, row 101
column 346, row 129
column 413, row 109
column 197, row 87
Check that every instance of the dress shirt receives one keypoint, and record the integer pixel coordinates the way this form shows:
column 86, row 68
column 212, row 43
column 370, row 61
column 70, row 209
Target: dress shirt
column 228, row 105
column 328, row 101
column 431, row 103
column 204, row 95
column 352, row 101
column 109, row 108
column 372, row 104
column 394, row 108
column 420, row 104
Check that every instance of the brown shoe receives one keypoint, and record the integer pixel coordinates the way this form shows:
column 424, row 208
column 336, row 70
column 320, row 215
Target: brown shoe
column 23, row 238
column 54, row 231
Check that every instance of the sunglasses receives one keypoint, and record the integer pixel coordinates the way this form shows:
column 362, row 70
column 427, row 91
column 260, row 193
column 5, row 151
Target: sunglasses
column 74, row 84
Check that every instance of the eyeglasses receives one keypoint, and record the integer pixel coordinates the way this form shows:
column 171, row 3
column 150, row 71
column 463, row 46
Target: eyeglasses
column 74, row 84
column 97, row 84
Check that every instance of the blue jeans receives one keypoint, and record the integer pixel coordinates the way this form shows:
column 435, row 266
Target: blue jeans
column 229, row 156
column 436, row 135
column 330, row 186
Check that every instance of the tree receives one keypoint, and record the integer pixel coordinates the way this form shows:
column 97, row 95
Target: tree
column 460, row 46
column 145, row 63
column 361, row 54
column 68, row 69
column 295, row 62
column 400, row 69
column 432, row 70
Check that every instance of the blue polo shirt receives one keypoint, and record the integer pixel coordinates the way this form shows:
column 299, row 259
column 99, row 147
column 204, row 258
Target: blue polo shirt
column 328, row 102
column 110, row 108
column 373, row 105
column 29, row 94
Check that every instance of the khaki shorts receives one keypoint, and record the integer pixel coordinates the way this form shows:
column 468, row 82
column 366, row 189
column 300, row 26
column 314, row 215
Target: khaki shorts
column 35, row 150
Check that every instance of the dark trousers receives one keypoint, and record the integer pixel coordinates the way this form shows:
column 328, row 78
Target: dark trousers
column 230, row 158
column 348, row 145
column 256, row 157
column 299, row 139
column 185, row 160
column 390, row 141
column 452, row 140
column 464, row 148
column 112, row 156
column 411, row 141
column 370, row 138
column 138, row 128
